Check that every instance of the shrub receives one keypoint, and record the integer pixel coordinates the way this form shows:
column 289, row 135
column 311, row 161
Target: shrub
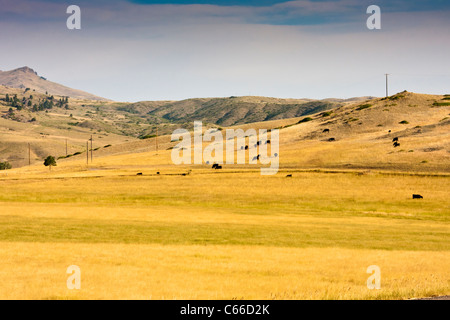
column 327, row 114
column 305, row 120
column 404, row 122
column 396, row 97
column 441, row 104
column 147, row 136
column 363, row 106
column 5, row 165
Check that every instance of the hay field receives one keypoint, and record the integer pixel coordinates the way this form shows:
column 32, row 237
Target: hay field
column 228, row 234
column 233, row 233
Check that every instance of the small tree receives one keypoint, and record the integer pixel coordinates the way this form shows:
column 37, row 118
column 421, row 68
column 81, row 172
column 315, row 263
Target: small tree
column 5, row 165
column 50, row 162
column 7, row 98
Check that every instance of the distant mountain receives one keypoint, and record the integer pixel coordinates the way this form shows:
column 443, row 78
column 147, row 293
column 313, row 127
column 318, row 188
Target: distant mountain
column 26, row 77
column 231, row 111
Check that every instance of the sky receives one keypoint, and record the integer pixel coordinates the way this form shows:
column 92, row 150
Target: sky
column 139, row 50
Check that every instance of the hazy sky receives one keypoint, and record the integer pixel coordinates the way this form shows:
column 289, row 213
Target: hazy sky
column 154, row 50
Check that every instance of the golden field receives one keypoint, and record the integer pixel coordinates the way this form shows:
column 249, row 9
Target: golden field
column 233, row 233
column 221, row 235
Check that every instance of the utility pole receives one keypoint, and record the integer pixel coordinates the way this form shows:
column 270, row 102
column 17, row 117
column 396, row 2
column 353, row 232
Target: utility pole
column 87, row 152
column 29, row 154
column 156, row 140
column 91, row 149
column 387, row 92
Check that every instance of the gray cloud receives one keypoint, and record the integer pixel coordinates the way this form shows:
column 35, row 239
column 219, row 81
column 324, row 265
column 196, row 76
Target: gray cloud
column 132, row 52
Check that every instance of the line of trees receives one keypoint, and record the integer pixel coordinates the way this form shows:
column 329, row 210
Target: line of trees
column 49, row 102
column 50, row 161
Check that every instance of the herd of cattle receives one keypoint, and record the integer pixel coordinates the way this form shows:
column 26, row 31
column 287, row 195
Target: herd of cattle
column 258, row 143
column 395, row 142
column 217, row 166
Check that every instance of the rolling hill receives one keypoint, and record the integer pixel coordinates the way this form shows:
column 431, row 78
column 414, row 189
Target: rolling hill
column 26, row 77
column 359, row 135
column 234, row 110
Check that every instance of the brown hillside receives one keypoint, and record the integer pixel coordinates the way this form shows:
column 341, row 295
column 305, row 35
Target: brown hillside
column 26, row 77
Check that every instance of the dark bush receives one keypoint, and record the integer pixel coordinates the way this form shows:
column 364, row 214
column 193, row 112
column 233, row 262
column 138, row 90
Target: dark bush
column 5, row 165
column 305, row 120
column 363, row 106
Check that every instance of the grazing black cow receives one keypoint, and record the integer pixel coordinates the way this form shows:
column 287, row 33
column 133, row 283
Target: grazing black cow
column 289, row 176
column 389, row 131
column 332, row 139
column 246, row 147
column 214, row 166
column 258, row 156
column 268, row 142
column 257, row 143
column 325, row 130
column 417, row 196
column 139, row 174
column 396, row 144
column 157, row 172
column 218, row 167
column 395, row 139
